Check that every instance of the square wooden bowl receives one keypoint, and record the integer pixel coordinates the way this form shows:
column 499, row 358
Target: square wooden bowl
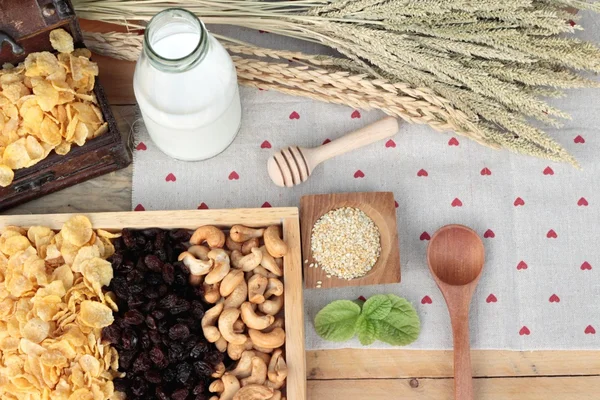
column 295, row 388
column 380, row 207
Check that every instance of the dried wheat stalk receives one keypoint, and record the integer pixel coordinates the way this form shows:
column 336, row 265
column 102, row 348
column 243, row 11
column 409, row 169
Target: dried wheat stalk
column 320, row 78
column 492, row 60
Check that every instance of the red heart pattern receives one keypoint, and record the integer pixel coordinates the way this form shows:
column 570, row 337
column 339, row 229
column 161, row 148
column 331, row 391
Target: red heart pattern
column 202, row 206
column 424, row 236
column 139, row 207
column 522, row 265
column 589, row 330
column 586, row 266
column 359, row 174
column 426, row 300
column 396, row 204
column 551, row 234
column 491, row 298
column 355, row 114
column 170, row 178
column 579, row 139
column 265, row 145
column 326, row 141
column 524, row 331
column 582, row 202
column 453, row 142
column 266, row 204
column 294, row 115
column 456, row 202
column 390, row 143
column 422, row 172
column 485, row 171
column 141, row 146
column 548, row 171
column 554, row 299
column 233, row 176
column 519, row 202
column 489, row 234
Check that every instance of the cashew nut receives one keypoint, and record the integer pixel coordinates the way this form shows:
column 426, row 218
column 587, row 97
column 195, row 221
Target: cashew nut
column 271, row 306
column 253, row 320
column 211, row 333
column 232, row 245
column 275, row 246
column 214, row 398
column 276, row 395
column 195, row 265
column 278, row 369
column 254, row 392
column 261, row 270
column 250, row 261
column 220, row 268
column 268, row 340
column 238, row 296
column 265, row 357
column 259, row 373
column 217, row 386
column 231, row 387
column 236, row 256
column 241, row 233
column 257, row 285
column 221, row 344
column 274, row 288
column 226, row 320
column 249, row 244
column 243, row 368
column 212, row 235
column 198, row 251
column 269, row 262
column 261, row 349
column 233, row 278
column 211, row 293
column 234, row 351
column 239, row 326
column 274, row 385
column 279, row 323
column 219, row 370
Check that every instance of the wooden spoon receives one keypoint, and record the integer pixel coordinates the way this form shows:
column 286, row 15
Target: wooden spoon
column 293, row 165
column 456, row 256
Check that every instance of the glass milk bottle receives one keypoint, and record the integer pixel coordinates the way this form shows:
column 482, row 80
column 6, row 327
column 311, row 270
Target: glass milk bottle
column 186, row 87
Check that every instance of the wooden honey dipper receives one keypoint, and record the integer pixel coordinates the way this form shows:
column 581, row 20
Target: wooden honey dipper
column 293, row 165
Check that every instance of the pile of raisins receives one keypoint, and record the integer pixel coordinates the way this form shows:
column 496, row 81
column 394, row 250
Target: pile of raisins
column 157, row 330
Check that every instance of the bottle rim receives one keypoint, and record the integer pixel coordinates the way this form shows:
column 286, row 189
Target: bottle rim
column 176, row 64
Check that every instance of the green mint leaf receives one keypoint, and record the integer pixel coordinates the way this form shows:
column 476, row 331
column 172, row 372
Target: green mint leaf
column 401, row 326
column 337, row 320
column 377, row 307
column 367, row 330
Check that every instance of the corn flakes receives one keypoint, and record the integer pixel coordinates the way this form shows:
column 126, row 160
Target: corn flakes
column 51, row 315
column 47, row 103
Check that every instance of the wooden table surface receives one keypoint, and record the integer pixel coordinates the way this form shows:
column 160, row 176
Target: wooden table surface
column 353, row 373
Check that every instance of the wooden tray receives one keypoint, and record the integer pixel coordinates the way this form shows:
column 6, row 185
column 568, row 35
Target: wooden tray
column 292, row 282
column 28, row 24
column 380, row 207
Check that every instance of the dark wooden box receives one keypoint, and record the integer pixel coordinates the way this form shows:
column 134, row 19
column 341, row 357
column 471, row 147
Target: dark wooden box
column 27, row 24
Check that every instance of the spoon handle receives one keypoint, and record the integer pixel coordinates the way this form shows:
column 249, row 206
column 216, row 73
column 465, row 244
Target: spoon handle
column 381, row 129
column 463, row 375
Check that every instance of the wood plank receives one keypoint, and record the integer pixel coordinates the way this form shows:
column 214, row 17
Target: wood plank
column 294, row 311
column 116, row 76
column 369, row 363
column 111, row 192
column 559, row 388
column 188, row 219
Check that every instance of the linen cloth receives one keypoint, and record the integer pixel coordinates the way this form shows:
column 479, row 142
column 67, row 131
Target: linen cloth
column 540, row 221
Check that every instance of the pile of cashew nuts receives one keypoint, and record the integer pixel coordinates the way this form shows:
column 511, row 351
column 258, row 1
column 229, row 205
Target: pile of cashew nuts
column 241, row 275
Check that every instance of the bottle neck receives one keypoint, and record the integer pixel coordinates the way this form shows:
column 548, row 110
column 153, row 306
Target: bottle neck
column 175, row 41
